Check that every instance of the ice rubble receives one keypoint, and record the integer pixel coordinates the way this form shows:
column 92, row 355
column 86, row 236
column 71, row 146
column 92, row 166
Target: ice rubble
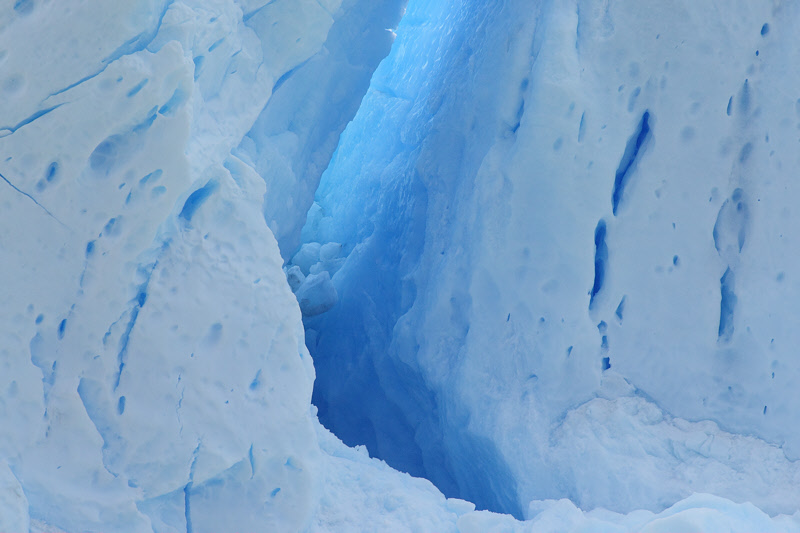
column 154, row 155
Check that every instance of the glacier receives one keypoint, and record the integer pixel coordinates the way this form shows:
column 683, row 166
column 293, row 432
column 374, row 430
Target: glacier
column 532, row 262
column 556, row 234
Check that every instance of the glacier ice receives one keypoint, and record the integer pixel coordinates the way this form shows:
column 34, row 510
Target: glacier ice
column 562, row 232
column 548, row 266
column 149, row 322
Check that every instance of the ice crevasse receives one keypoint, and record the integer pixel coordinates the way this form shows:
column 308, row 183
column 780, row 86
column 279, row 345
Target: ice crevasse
column 542, row 256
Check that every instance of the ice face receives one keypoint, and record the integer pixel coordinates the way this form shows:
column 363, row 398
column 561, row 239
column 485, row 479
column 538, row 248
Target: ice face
column 543, row 263
column 581, row 220
column 154, row 371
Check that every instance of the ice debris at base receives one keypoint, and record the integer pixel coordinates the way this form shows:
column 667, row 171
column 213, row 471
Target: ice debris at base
column 534, row 270
column 363, row 494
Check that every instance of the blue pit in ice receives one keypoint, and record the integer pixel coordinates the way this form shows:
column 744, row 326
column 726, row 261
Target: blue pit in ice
column 23, row 7
column 177, row 99
column 196, row 199
column 633, row 150
column 727, row 305
column 600, row 260
column 138, row 87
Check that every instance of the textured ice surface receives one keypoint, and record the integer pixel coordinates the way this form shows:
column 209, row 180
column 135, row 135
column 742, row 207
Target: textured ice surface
column 567, row 232
column 550, row 259
column 153, row 367
column 292, row 139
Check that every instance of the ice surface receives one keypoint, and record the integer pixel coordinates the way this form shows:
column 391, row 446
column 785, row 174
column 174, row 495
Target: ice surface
column 549, row 267
column 619, row 164
column 13, row 503
column 292, row 140
column 316, row 294
column 154, row 374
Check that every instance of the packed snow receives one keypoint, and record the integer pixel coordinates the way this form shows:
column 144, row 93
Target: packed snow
column 533, row 261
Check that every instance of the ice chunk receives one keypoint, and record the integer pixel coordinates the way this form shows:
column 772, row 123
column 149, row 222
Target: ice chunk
column 307, row 255
column 330, row 266
column 317, row 294
column 329, row 251
column 295, row 277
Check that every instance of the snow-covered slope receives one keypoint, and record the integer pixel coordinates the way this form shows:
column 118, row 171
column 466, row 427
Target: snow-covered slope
column 495, row 199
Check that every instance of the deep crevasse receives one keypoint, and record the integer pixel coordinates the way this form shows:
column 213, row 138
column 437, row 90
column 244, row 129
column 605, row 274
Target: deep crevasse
column 154, row 156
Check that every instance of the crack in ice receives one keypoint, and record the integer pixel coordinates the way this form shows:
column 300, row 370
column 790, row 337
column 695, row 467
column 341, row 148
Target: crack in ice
column 32, row 199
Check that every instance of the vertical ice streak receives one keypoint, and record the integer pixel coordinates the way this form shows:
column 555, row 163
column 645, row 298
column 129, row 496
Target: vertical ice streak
column 600, row 260
column 633, row 150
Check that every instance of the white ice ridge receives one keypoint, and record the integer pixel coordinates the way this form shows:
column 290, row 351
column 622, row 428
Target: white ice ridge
column 157, row 160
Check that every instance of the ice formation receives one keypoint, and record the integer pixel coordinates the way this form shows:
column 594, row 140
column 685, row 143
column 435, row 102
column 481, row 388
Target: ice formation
column 547, row 269
column 566, row 252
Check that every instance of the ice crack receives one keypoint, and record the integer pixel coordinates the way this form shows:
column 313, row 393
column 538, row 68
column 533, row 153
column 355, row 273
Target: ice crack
column 31, row 198
column 187, row 489
column 131, row 46
column 140, row 300
column 39, row 114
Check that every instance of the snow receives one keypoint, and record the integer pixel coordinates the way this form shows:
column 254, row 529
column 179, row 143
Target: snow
column 542, row 281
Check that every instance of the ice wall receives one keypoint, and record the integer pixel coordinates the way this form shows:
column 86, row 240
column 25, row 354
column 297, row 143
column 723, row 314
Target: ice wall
column 564, row 255
column 153, row 368
column 374, row 392
column 157, row 156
